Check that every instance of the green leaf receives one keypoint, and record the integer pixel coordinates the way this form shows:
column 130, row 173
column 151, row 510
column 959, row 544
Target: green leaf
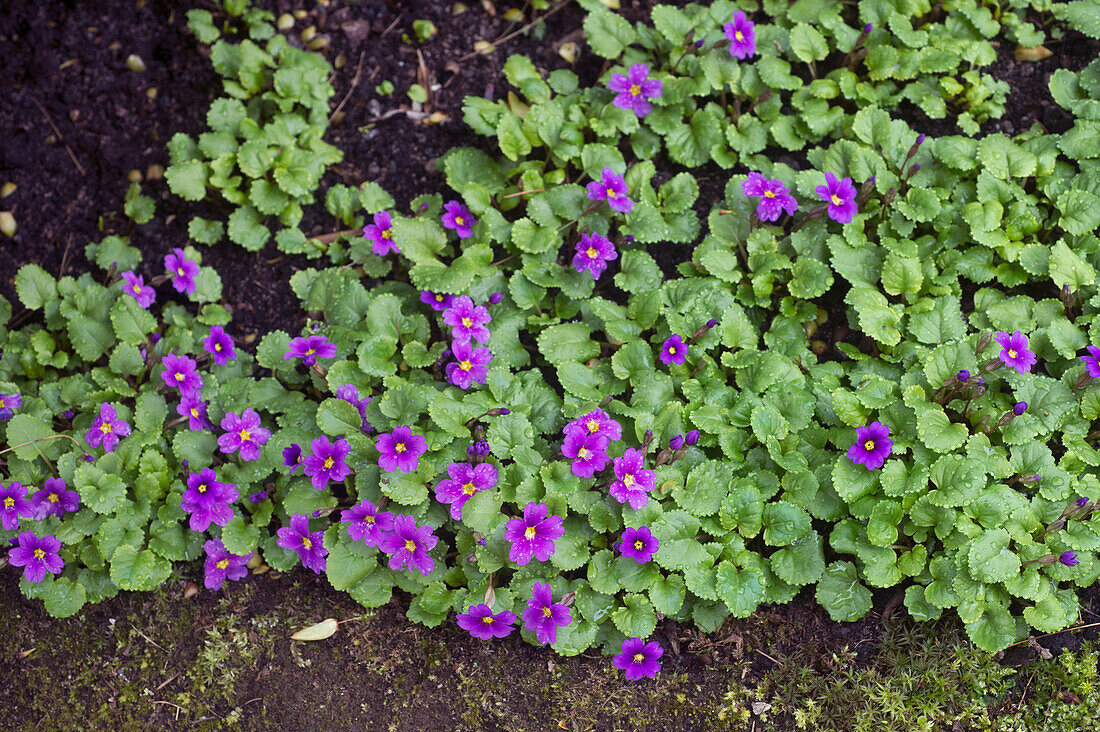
column 990, row 560
column 1080, row 211
column 568, row 342
column 133, row 569
column 35, row 286
column 808, row 44
column 938, row 432
column 205, row 231
column 636, row 619
column 802, row 562
column 246, row 228
column 841, row 594
column 64, row 598
column 667, row 594
column 740, row 588
column 187, row 180
column 994, row 630
column 607, row 34
column 513, row 143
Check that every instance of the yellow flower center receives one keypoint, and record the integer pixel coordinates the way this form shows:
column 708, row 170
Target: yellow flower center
column 835, row 199
column 769, row 194
column 39, row 554
column 194, row 412
column 201, row 488
column 869, row 445
column 592, row 425
column 488, row 620
column 610, row 193
column 591, row 253
column 9, row 502
column 400, row 447
column 466, row 322
column 635, row 90
column 439, row 297
column 1, row 403
column 387, row 234
column 547, row 612
column 1011, row 353
column 410, row 545
column 245, row 435
column 306, row 543
column 328, row 463
column 529, row 532
column 469, row 489
column 638, row 658
column 368, row 519
column 583, row 453
column 465, row 365
column 639, row 545
column 459, row 221
column 628, row 480
column 52, row 498
column 217, row 346
column 179, row 376
column 137, row 289
column 310, row 352
column 739, row 36
column 105, row 427
column 672, row 350
column 223, row 564
column 179, row 271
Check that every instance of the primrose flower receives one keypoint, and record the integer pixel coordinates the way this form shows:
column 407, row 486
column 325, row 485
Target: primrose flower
column 208, row 500
column 596, row 422
column 774, row 197
column 292, row 457
column 471, row 365
column 841, row 197
column 400, row 450
column 872, row 446
column 380, row 234
column 593, row 253
column 243, row 432
column 309, row 547
column 327, row 462
column 1014, row 351
column 409, row 544
column 742, row 36
column 366, row 523
column 195, row 410
column 107, row 429
column 220, row 565
column 183, row 271
column 588, row 452
column 482, row 624
column 14, row 505
column 1068, row 558
column 543, row 616
column 633, row 480
column 1091, row 361
column 638, row 544
column 467, row 320
column 37, row 556
column 634, row 90
column 478, row 449
column 436, row 300
column 219, row 345
column 456, row 216
column 8, row 404
column 309, row 348
column 612, row 188
column 639, row 658
column 462, row 482
column 676, row 442
column 135, row 286
column 180, row 373
column 533, row 535
column 55, row 499
column 691, row 438
column 674, row 350
column 257, row 496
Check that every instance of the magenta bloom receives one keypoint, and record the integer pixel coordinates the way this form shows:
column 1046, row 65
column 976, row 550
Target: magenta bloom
column 593, row 253
column 467, row 320
column 221, row 565
column 409, row 544
column 183, row 271
column 310, row 348
column 639, row 658
column 533, row 535
column 400, row 450
column 14, row 505
column 107, row 429
column 456, row 216
column 742, row 36
column 380, row 234
column 841, row 196
column 1092, row 361
column 243, row 433
column 634, row 90
column 292, row 457
column 179, row 373
column 596, row 422
column 310, row 547
column 872, row 446
column 471, row 365
column 135, row 286
column 633, row 480
column 37, row 556
column 219, row 345
column 774, row 197
column 327, row 462
column 463, row 481
column 587, row 451
column 207, row 500
column 638, row 544
column 481, row 623
column 366, row 523
column 195, row 410
column 611, row 187
column 674, row 350
column 1014, row 351
column 8, row 404
column 544, row 616
column 55, row 499
column 436, row 300
column 1068, row 558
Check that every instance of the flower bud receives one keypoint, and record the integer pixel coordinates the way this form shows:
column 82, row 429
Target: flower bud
column 1082, row 501
column 1068, row 558
column 963, row 375
column 692, row 437
column 495, row 298
column 676, row 442
column 920, row 139
column 712, row 322
column 1020, row 408
column 868, row 28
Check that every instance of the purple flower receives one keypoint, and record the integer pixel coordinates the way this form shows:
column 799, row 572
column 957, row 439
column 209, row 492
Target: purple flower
column 1092, row 364
column 691, row 438
column 638, row 544
column 676, row 442
column 366, row 523
column 481, row 623
column 639, row 658
column 964, row 375
column 634, row 90
column 243, row 433
column 436, row 300
column 36, row 555
column 463, row 481
column 1082, row 501
column 207, row 500
column 195, row 410
column 586, row 451
column 292, row 457
column 179, row 373
column 350, row 394
column 1014, row 351
column 183, row 271
column 1067, row 558
column 841, row 196
column 136, row 287
column 495, row 298
column 310, row 547
column 219, row 345
column 596, row 422
column 467, row 320
column 327, row 462
column 309, row 348
column 221, row 565
column 1019, row 408
column 14, row 505
column 409, row 544
column 380, row 234
column 107, row 429
column 674, row 350
column 456, row 216
column 471, row 365
column 400, row 450
column 742, row 36
column 611, row 187
column 8, row 404
column 533, row 535
column 478, row 449
column 633, row 480
column 55, row 499
column 774, row 197
column 544, row 616
column 872, row 446
column 257, row 497
column 593, row 253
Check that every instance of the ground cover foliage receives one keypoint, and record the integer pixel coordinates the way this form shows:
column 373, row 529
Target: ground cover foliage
column 484, row 371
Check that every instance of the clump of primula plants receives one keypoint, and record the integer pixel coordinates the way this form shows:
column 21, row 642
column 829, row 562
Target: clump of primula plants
column 527, row 426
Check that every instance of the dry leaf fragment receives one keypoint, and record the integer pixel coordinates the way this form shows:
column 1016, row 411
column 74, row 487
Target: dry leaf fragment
column 484, row 47
column 518, row 107
column 316, row 632
column 1038, row 53
column 568, row 51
